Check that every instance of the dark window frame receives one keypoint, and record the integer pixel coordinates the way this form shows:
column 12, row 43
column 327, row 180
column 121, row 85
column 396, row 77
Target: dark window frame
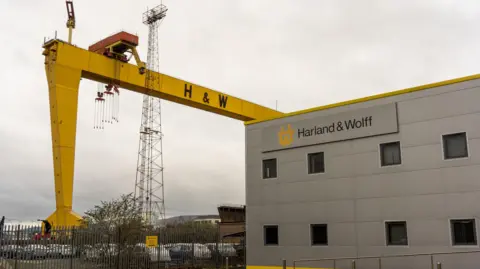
column 310, row 157
column 445, row 148
column 388, row 234
column 382, row 154
column 264, row 173
column 265, row 243
column 474, row 232
column 312, row 237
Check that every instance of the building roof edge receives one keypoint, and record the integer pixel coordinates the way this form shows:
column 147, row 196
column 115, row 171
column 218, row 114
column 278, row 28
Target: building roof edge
column 370, row 98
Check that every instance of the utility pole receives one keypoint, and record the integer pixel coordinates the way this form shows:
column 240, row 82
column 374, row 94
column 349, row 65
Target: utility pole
column 149, row 190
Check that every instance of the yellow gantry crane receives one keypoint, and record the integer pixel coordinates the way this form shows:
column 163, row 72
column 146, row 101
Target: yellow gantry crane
column 66, row 65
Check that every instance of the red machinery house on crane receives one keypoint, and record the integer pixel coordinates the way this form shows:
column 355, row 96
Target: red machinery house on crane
column 115, row 46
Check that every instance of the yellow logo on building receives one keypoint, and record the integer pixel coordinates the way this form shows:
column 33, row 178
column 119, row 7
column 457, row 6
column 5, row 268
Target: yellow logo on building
column 285, row 136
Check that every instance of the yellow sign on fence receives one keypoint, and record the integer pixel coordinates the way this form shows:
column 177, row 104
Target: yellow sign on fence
column 151, row 241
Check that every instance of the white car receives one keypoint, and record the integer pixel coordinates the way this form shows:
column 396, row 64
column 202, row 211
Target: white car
column 35, row 252
column 224, row 249
column 100, row 251
column 91, row 254
column 157, row 254
column 170, row 245
column 201, row 251
column 54, row 250
column 67, row 251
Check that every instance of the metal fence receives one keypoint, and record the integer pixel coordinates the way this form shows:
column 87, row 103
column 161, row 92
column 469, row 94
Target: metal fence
column 437, row 260
column 117, row 248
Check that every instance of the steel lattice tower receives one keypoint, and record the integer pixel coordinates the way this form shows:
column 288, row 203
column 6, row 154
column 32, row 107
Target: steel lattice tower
column 149, row 190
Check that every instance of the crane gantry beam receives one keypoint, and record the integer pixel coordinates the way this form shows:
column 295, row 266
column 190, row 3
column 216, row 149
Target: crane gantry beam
column 66, row 64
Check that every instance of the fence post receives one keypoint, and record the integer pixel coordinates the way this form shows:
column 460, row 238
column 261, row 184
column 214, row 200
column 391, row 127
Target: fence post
column 16, row 245
column 118, row 247
column 431, row 262
column 194, row 237
column 158, row 254
column 353, row 264
column 216, row 255
column 217, row 265
column 439, row 265
column 244, row 246
column 72, row 247
column 379, row 263
column 226, row 263
column 284, row 264
column 334, row 264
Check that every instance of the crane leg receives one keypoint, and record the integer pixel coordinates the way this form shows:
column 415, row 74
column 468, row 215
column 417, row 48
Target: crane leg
column 63, row 83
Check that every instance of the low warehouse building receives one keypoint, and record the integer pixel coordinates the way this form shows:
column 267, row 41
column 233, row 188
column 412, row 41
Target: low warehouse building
column 392, row 174
column 232, row 223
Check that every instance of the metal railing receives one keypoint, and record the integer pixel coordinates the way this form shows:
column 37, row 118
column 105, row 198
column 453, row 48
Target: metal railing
column 24, row 247
column 352, row 261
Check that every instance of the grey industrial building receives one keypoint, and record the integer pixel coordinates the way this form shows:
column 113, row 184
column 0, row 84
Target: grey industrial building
column 397, row 173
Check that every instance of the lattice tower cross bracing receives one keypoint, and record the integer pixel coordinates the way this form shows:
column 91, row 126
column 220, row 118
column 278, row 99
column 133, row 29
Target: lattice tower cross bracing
column 149, row 190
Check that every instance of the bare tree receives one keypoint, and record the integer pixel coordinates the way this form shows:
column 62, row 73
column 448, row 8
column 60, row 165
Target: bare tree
column 121, row 212
column 114, row 228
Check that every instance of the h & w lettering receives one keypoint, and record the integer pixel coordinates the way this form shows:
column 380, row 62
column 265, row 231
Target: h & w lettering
column 187, row 90
column 222, row 99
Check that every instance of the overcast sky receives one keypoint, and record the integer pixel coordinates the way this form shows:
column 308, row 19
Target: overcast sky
column 302, row 53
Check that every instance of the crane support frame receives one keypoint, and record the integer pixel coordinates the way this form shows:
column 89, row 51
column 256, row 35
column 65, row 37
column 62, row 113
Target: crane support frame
column 66, row 64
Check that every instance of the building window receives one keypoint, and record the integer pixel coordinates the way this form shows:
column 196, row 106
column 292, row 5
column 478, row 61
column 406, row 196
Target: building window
column 396, row 233
column 316, row 163
column 270, row 235
column 390, row 154
column 463, row 232
column 318, row 234
column 270, row 168
column 455, row 146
